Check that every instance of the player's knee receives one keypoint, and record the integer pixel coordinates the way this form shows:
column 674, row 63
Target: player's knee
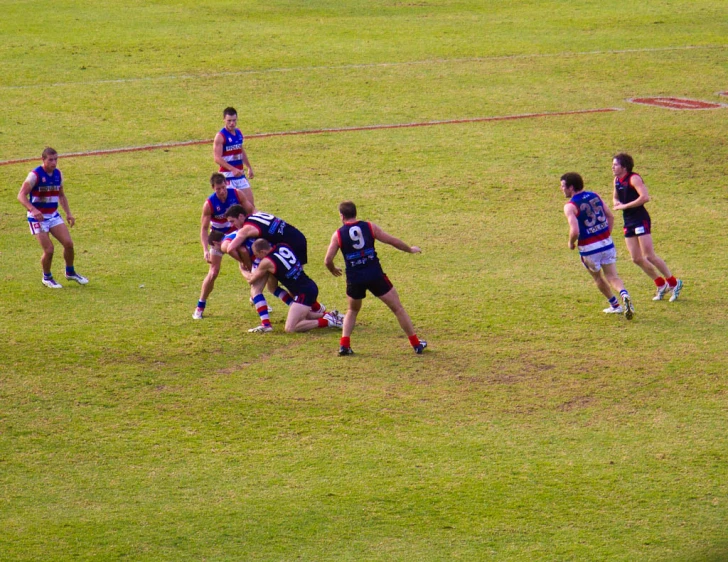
column 639, row 260
column 289, row 329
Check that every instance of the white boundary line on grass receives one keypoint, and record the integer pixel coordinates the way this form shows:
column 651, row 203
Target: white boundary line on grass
column 206, row 75
column 321, row 131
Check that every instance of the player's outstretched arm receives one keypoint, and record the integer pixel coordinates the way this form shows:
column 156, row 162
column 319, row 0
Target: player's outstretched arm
column 382, row 236
column 205, row 220
column 331, row 254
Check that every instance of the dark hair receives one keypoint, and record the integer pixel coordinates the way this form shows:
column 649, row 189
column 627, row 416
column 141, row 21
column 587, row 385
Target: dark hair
column 48, row 151
column 229, row 111
column 572, row 179
column 624, row 160
column 347, row 210
column 261, row 245
column 216, row 179
column 234, row 211
column 215, row 236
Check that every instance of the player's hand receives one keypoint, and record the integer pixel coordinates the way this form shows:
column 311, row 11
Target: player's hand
column 618, row 207
column 251, row 173
column 71, row 220
column 572, row 245
column 206, row 255
column 336, row 271
column 415, row 250
column 37, row 215
column 237, row 173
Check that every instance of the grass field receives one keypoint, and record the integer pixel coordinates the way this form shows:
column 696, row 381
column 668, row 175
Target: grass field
column 535, row 428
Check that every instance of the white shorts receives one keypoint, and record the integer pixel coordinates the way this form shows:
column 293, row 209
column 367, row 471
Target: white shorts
column 241, row 182
column 594, row 262
column 45, row 225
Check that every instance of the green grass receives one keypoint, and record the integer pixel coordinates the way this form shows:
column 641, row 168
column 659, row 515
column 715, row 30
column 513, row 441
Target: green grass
column 536, row 428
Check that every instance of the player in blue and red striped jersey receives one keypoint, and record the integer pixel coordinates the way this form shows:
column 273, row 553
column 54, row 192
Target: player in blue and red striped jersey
column 590, row 224
column 213, row 219
column 41, row 193
column 356, row 240
column 281, row 262
column 229, row 154
column 630, row 196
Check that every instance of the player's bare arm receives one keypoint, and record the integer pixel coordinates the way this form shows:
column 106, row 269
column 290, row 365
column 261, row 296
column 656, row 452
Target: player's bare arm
column 23, row 197
column 217, row 146
column 204, row 230
column 246, row 164
column 265, row 267
column 382, row 236
column 644, row 197
column 242, row 235
column 570, row 212
column 63, row 202
column 331, row 254
column 245, row 203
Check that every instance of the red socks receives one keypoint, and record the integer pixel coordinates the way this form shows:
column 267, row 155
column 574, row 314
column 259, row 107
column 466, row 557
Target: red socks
column 345, row 341
column 671, row 281
column 414, row 340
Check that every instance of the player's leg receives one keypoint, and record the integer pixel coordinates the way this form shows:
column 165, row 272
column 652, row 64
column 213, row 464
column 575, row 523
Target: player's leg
column 46, row 258
column 352, row 310
column 261, row 305
column 669, row 283
column 594, row 267
column 208, row 284
column 298, row 321
column 391, row 299
column 60, row 232
column 638, row 258
column 612, row 277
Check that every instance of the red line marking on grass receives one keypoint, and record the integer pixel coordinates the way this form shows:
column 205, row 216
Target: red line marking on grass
column 677, row 103
column 319, row 132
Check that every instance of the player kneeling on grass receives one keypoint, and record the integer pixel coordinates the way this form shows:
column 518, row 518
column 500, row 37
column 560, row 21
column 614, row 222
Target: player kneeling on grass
column 280, row 262
column 363, row 273
column 590, row 223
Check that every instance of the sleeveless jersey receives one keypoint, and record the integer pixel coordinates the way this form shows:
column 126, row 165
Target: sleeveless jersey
column 273, row 229
column 288, row 270
column 626, row 194
column 594, row 235
column 356, row 241
column 45, row 192
column 218, row 208
column 232, row 150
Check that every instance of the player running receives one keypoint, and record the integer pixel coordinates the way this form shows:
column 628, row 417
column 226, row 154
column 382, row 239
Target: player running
column 630, row 196
column 281, row 262
column 590, row 223
column 41, row 193
column 356, row 240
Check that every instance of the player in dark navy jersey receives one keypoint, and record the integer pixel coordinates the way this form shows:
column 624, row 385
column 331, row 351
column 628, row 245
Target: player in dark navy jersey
column 630, row 196
column 281, row 262
column 41, row 194
column 230, row 155
column 356, row 240
column 590, row 227
column 213, row 219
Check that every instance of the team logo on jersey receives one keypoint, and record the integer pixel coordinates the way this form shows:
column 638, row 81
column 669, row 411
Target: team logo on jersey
column 42, row 179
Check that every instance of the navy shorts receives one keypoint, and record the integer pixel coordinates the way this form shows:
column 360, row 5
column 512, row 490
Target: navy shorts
column 638, row 228
column 377, row 287
column 307, row 295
